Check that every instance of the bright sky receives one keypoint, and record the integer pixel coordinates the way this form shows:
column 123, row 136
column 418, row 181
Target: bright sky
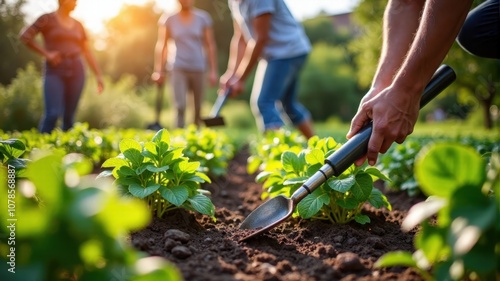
column 93, row 12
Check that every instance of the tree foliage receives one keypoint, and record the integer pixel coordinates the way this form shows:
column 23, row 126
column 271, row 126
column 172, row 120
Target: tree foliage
column 14, row 54
column 130, row 41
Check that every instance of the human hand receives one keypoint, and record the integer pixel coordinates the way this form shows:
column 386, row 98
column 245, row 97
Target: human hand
column 100, row 85
column 212, row 78
column 158, row 77
column 53, row 57
column 235, row 83
column 394, row 115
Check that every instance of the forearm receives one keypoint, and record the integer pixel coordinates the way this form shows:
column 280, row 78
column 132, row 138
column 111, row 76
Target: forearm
column 212, row 52
column 92, row 64
column 438, row 29
column 160, row 57
column 252, row 54
column 27, row 37
column 236, row 52
column 401, row 21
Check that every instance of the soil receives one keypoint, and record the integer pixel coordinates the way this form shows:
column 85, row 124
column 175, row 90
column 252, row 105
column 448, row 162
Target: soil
column 294, row 250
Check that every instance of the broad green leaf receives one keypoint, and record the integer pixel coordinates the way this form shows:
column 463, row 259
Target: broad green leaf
column 311, row 204
column 396, row 258
column 126, row 171
column 134, row 156
column 431, row 240
column 154, row 269
column 378, row 200
column 150, row 150
column 142, row 192
column 444, row 167
column 195, row 178
column 14, row 143
column 47, row 175
column 176, row 195
column 291, row 162
column 349, row 203
column 342, row 185
column 362, row 219
column 162, row 136
column 121, row 215
column 114, row 162
column 315, row 156
column 202, row 204
column 203, row 176
column 189, row 167
column 154, row 169
column 471, row 204
column 253, row 164
column 377, row 174
column 127, row 144
column 262, row 176
column 363, row 187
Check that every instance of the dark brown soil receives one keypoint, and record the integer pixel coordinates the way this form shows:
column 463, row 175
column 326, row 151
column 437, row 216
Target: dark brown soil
column 294, row 250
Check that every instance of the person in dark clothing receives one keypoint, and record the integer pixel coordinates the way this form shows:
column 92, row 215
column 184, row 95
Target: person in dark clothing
column 65, row 41
column 480, row 34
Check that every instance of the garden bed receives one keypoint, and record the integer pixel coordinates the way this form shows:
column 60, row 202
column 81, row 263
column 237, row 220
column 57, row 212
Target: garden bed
column 295, row 250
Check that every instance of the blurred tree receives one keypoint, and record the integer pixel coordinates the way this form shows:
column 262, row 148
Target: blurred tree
column 328, row 85
column 321, row 29
column 477, row 81
column 130, row 41
column 14, row 54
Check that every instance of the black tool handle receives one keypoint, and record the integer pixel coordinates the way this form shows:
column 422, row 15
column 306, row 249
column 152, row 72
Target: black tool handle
column 357, row 146
column 219, row 102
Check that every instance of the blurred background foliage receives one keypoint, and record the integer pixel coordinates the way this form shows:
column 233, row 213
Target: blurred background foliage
column 337, row 74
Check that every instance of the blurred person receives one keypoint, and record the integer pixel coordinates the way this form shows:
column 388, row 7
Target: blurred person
column 65, row 41
column 191, row 31
column 417, row 35
column 267, row 35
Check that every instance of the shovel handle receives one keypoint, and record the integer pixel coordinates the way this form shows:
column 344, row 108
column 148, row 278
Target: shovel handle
column 357, row 146
column 219, row 102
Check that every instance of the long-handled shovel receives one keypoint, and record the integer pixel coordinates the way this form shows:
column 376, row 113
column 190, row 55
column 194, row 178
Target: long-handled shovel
column 277, row 209
column 159, row 104
column 214, row 118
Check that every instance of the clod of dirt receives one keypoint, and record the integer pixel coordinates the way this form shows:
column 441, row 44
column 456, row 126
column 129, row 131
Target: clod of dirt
column 349, row 262
column 177, row 235
column 181, row 252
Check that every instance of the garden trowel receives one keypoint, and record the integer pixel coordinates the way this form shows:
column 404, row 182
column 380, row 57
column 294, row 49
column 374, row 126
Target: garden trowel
column 214, row 118
column 276, row 210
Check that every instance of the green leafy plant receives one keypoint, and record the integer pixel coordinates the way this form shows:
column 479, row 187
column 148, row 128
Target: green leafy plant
column 159, row 173
column 339, row 199
column 10, row 152
column 212, row 149
column 464, row 202
column 398, row 165
column 267, row 150
column 75, row 229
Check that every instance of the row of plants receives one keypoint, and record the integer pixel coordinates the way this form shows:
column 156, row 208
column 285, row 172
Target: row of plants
column 459, row 223
column 290, row 164
column 73, row 225
column 399, row 162
column 63, row 224
column 212, row 149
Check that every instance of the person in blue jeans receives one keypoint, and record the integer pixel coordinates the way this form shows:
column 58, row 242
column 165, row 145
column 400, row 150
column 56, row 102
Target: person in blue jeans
column 267, row 34
column 65, row 41
column 417, row 36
